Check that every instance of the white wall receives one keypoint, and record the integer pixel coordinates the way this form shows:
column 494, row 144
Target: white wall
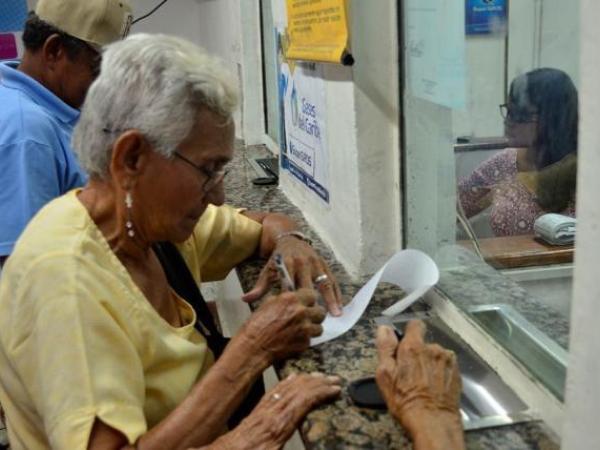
column 544, row 34
column 362, row 221
column 361, row 224
column 375, row 45
column 212, row 24
column 227, row 28
column 485, row 56
column 178, row 17
column 583, row 387
column 560, row 36
column 541, row 34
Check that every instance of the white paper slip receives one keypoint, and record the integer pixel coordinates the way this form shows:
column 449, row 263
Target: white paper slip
column 412, row 270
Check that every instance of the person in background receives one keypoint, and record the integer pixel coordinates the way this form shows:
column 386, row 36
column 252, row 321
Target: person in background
column 537, row 173
column 41, row 97
column 421, row 386
column 105, row 342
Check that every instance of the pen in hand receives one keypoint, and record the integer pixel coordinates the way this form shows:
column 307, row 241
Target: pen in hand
column 286, row 280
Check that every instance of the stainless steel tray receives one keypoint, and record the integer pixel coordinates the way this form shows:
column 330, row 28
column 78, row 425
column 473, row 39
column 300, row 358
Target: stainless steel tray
column 543, row 357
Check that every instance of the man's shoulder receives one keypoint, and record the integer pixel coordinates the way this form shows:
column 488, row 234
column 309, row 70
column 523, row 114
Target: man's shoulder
column 24, row 120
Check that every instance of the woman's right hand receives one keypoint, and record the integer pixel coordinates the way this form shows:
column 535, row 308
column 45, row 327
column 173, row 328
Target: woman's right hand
column 284, row 324
column 279, row 413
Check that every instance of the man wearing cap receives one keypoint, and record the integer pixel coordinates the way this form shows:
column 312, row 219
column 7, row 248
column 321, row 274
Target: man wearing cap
column 40, row 100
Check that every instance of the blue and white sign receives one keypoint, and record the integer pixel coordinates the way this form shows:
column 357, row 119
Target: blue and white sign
column 486, row 16
column 305, row 155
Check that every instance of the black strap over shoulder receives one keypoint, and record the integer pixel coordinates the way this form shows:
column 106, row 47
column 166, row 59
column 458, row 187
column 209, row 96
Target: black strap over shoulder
column 181, row 280
column 183, row 283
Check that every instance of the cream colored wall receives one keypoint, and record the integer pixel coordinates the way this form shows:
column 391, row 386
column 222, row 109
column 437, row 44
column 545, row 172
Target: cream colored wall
column 178, row 17
column 227, row 28
column 544, row 34
column 581, row 429
column 485, row 88
column 540, row 34
column 214, row 25
column 362, row 221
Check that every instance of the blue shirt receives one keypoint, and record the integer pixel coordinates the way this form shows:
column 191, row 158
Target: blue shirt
column 36, row 160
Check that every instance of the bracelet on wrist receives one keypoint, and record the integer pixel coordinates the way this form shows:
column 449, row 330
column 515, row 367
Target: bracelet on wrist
column 296, row 234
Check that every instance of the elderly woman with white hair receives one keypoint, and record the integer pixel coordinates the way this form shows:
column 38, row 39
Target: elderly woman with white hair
column 105, row 342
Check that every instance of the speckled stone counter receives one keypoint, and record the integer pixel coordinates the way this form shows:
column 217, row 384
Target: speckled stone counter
column 341, row 425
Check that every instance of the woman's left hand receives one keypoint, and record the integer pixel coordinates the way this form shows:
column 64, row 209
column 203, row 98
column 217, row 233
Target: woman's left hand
column 278, row 414
column 306, row 268
column 421, row 386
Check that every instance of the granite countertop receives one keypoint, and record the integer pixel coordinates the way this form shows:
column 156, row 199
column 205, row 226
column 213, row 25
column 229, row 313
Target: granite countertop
column 342, row 425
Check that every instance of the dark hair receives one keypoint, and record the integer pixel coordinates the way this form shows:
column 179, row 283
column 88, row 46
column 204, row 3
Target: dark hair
column 37, row 32
column 554, row 96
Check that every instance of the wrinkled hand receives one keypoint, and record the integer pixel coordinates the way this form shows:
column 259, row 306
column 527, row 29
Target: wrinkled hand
column 284, row 324
column 304, row 266
column 279, row 413
column 419, row 382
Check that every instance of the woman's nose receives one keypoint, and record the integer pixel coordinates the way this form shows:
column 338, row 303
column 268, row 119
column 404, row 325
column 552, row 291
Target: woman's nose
column 216, row 195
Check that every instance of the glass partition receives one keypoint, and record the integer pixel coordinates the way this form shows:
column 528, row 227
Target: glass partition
column 490, row 159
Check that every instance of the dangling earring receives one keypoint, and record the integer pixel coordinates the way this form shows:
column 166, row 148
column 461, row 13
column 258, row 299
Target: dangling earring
column 129, row 223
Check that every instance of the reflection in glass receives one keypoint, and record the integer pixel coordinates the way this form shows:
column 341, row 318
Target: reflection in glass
column 474, row 190
column 537, row 173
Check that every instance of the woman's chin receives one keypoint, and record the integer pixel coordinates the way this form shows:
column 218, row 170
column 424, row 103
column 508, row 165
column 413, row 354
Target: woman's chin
column 184, row 231
column 512, row 142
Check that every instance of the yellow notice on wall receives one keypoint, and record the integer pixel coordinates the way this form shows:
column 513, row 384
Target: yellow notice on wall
column 318, row 31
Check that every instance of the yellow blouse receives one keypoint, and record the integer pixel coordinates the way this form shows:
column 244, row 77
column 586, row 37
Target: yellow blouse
column 78, row 339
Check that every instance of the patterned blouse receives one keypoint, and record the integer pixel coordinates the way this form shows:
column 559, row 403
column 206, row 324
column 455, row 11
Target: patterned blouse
column 513, row 206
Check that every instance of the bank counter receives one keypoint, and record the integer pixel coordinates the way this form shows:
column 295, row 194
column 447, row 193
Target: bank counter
column 342, row 425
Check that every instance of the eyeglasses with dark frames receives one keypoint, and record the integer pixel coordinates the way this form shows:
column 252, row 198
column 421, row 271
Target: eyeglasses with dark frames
column 213, row 177
column 516, row 116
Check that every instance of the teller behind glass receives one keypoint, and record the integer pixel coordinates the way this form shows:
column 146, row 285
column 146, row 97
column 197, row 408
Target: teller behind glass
column 104, row 342
column 537, row 173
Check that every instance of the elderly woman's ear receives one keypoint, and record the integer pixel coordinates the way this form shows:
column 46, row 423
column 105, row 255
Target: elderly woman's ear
column 131, row 153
